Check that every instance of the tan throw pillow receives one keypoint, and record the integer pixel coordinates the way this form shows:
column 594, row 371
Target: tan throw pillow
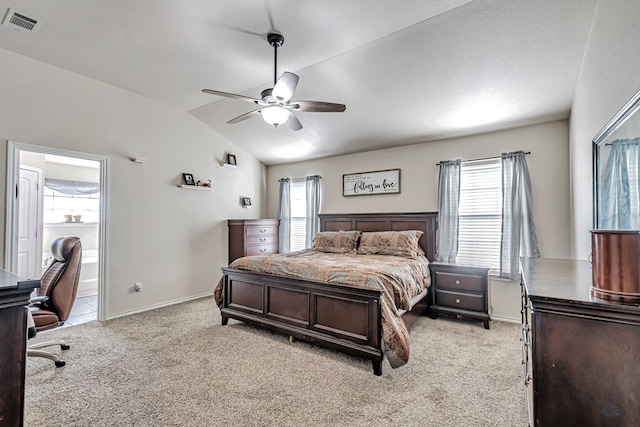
column 338, row 242
column 398, row 243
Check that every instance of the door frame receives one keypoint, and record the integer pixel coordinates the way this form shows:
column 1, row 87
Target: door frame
column 11, row 244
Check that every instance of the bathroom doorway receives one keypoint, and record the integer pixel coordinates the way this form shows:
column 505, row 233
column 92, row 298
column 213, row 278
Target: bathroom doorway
column 59, row 193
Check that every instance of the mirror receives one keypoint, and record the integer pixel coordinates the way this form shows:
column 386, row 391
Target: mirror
column 616, row 165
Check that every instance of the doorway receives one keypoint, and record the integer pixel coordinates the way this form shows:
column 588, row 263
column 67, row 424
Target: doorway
column 56, row 193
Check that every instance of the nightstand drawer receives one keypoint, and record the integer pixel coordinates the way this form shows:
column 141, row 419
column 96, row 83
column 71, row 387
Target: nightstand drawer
column 261, row 249
column 458, row 281
column 262, row 230
column 460, row 300
column 261, row 240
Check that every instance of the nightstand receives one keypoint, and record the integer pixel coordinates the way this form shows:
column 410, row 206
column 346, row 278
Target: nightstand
column 460, row 290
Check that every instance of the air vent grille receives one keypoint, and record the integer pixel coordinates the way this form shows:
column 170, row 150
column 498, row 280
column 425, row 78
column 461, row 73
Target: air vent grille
column 21, row 22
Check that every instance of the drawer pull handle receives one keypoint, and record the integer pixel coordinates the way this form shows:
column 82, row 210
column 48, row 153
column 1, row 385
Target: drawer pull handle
column 457, row 301
column 262, row 250
column 457, row 282
column 262, row 239
column 262, row 230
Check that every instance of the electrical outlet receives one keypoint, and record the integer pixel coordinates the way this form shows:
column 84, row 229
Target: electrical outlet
column 138, row 286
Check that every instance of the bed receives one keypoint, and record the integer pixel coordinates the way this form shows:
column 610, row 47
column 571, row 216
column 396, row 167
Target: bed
column 343, row 317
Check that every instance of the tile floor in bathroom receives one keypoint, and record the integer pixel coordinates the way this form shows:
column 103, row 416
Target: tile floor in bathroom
column 85, row 309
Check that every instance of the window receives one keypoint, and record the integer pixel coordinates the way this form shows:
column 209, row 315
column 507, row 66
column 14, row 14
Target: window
column 57, row 205
column 480, row 220
column 298, row 195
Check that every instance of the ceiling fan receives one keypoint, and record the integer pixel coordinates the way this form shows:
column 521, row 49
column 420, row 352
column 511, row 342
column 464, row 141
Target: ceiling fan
column 276, row 104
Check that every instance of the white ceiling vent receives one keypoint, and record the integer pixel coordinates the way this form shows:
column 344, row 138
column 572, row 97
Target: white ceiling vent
column 21, row 22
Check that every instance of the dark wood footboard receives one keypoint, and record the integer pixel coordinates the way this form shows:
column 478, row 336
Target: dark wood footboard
column 340, row 317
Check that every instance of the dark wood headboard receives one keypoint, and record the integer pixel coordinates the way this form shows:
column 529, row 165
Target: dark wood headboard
column 425, row 221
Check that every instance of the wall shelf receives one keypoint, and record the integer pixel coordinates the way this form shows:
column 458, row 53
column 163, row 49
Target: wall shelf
column 195, row 187
column 228, row 165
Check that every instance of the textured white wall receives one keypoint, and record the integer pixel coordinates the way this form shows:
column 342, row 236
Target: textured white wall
column 548, row 166
column 172, row 240
column 609, row 78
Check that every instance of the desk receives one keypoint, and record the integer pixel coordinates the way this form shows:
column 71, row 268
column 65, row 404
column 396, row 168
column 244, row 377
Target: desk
column 14, row 296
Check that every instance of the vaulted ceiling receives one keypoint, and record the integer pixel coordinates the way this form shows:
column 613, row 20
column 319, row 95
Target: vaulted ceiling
column 408, row 72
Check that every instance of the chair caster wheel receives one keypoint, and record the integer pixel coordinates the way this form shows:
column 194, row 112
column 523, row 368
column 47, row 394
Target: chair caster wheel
column 65, row 346
column 60, row 364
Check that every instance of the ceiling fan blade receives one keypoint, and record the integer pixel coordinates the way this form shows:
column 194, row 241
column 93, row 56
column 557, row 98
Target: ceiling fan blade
column 292, row 122
column 244, row 117
column 231, row 95
column 318, row 107
column 285, row 86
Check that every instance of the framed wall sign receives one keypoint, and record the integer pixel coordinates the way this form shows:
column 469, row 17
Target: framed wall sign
column 367, row 183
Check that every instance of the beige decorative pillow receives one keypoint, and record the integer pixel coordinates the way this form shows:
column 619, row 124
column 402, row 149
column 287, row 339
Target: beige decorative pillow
column 398, row 243
column 338, row 242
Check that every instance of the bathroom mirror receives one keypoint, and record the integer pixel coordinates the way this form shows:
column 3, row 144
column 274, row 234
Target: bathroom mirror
column 616, row 163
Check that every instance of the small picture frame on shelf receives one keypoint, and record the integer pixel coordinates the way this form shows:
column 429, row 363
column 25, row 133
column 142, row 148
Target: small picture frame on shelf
column 231, row 159
column 246, row 202
column 188, row 179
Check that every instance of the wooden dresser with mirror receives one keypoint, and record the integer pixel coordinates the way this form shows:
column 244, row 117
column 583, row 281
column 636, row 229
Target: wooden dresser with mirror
column 581, row 321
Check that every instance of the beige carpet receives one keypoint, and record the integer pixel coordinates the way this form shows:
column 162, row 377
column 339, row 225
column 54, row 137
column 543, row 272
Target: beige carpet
column 177, row 366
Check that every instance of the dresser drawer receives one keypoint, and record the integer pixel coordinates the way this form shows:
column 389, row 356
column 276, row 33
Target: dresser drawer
column 460, row 300
column 261, row 230
column 458, row 281
column 262, row 240
column 261, row 249
column 252, row 237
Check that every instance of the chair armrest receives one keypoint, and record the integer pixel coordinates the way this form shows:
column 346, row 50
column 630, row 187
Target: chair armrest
column 34, row 300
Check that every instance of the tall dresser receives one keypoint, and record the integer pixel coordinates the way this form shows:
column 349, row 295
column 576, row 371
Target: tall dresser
column 581, row 354
column 252, row 237
column 14, row 297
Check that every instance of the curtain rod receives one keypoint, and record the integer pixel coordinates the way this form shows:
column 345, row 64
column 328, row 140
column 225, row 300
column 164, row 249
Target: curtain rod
column 624, row 141
column 293, row 179
column 483, row 158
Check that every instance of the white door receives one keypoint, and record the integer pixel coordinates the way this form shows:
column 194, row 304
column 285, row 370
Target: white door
column 28, row 211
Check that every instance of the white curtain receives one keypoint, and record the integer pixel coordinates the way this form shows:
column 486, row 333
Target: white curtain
column 448, row 210
column 313, row 208
column 284, row 215
column 620, row 207
column 518, row 231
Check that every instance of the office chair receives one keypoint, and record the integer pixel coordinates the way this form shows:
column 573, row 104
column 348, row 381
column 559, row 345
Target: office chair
column 54, row 300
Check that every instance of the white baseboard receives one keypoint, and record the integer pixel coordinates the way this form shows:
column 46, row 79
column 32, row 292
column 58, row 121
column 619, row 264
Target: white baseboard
column 156, row 306
column 506, row 319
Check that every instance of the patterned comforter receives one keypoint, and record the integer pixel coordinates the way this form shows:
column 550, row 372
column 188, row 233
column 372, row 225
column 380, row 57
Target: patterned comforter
column 400, row 279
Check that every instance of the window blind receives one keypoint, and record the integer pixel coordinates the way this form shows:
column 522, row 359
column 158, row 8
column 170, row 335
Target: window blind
column 480, row 220
column 298, row 193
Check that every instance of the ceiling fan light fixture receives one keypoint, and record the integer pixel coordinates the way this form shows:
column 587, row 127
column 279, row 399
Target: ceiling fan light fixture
column 277, row 106
column 275, row 115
